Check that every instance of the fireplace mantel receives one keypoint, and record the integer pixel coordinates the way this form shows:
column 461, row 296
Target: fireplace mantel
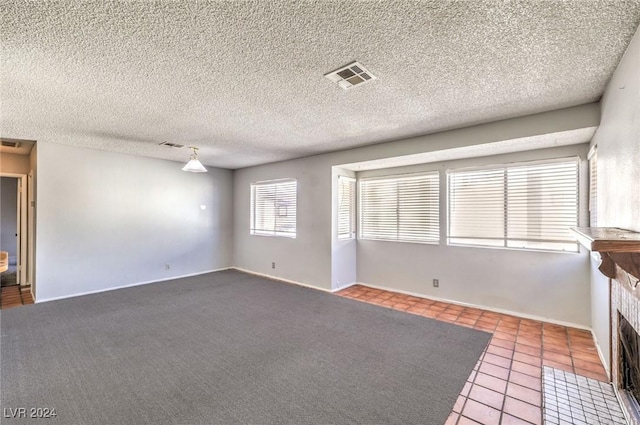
column 616, row 247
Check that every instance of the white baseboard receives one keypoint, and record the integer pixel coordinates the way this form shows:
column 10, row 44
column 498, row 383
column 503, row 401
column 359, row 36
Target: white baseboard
column 496, row 310
column 605, row 362
column 267, row 276
column 482, row 307
column 129, row 285
column 340, row 288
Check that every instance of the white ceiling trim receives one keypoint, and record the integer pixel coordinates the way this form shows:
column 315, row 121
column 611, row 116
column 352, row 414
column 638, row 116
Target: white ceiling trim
column 542, row 141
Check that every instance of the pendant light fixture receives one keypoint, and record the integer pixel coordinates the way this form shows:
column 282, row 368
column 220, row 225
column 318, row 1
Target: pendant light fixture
column 194, row 165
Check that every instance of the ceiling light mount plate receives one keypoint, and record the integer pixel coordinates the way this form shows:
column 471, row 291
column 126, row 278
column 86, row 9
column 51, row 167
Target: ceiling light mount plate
column 194, row 165
column 350, row 75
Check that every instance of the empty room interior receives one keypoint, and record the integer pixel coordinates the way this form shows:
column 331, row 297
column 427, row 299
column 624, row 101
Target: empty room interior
column 320, row 212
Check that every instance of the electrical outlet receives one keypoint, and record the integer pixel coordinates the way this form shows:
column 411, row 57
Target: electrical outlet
column 436, row 283
column 273, row 265
column 167, row 266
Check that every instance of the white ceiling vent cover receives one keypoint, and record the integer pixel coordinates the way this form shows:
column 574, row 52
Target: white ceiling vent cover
column 351, row 75
column 171, row 145
column 9, row 143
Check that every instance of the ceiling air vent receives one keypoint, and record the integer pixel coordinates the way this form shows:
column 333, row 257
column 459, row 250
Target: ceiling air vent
column 171, row 145
column 351, row 75
column 10, row 144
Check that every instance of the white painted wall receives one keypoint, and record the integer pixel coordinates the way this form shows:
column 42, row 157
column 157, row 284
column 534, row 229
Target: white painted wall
column 9, row 215
column 618, row 141
column 305, row 259
column 107, row 220
column 308, row 258
column 600, row 310
column 547, row 285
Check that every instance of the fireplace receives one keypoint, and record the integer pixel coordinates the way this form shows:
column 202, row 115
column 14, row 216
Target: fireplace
column 619, row 251
column 629, row 366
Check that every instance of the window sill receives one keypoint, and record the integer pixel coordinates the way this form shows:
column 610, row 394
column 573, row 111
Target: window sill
column 401, row 241
column 273, row 236
column 505, row 248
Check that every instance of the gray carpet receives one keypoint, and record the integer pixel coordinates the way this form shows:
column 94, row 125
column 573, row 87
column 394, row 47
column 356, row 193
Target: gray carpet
column 230, row 348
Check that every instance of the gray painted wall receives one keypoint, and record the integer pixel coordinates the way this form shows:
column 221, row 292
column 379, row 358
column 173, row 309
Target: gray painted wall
column 107, row 220
column 600, row 310
column 9, row 215
column 618, row 140
column 548, row 285
column 305, row 259
column 308, row 258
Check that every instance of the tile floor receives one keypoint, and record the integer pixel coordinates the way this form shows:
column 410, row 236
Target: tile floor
column 12, row 296
column 574, row 399
column 506, row 384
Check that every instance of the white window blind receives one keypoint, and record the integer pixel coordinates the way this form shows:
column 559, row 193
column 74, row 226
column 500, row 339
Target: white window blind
column 346, row 207
column 515, row 206
column 273, row 208
column 400, row 208
column 593, row 187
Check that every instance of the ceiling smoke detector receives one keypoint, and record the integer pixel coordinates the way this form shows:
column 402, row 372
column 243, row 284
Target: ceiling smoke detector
column 351, row 75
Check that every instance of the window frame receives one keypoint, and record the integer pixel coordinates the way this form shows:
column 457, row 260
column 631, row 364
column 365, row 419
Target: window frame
column 506, row 239
column 351, row 208
column 278, row 204
column 592, row 157
column 433, row 228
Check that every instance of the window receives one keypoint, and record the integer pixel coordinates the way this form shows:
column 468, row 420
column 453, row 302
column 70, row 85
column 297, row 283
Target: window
column 593, row 186
column 400, row 208
column 273, row 208
column 529, row 205
column 346, row 207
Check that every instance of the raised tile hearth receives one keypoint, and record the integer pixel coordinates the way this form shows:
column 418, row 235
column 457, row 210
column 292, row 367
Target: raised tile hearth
column 570, row 399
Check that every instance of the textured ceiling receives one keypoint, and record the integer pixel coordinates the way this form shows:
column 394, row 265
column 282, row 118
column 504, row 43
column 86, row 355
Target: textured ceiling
column 245, row 81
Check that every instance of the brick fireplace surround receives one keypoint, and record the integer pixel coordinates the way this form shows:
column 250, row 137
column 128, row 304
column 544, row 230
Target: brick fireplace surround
column 625, row 299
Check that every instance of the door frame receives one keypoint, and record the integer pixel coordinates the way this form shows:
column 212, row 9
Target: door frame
column 22, row 242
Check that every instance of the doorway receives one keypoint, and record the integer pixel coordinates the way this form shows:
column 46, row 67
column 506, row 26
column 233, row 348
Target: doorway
column 13, row 228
